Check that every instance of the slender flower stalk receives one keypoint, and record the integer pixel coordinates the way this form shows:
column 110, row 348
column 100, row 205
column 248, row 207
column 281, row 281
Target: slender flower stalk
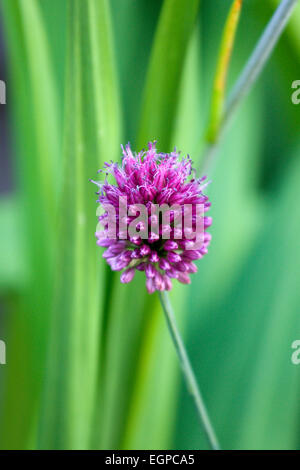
column 251, row 71
column 148, row 179
column 259, row 57
column 188, row 372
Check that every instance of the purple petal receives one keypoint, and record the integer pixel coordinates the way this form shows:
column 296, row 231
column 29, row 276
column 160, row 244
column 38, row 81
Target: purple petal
column 184, row 278
column 150, row 285
column 170, row 245
column 192, row 255
column 191, row 268
column 145, row 250
column 172, row 273
column 173, row 257
column 168, row 283
column 154, row 258
column 150, row 271
column 141, row 267
column 163, row 264
column 127, row 275
column 207, row 221
column 159, row 282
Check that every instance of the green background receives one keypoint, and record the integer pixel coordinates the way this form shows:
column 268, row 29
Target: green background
column 89, row 361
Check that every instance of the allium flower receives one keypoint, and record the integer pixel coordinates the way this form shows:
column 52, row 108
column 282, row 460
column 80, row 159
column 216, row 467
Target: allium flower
column 151, row 178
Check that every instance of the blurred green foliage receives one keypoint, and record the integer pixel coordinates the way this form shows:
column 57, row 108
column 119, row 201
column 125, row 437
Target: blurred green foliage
column 90, row 362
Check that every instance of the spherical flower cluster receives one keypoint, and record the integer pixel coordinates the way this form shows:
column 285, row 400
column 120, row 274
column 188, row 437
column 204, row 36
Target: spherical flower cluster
column 151, row 178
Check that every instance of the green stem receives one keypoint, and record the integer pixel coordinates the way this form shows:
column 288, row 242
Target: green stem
column 222, row 70
column 250, row 73
column 188, row 372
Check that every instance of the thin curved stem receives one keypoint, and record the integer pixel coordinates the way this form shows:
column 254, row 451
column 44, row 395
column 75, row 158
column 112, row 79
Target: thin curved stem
column 250, row 73
column 188, row 371
column 259, row 56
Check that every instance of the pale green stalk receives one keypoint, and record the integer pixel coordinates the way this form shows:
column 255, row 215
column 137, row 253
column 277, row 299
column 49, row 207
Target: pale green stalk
column 251, row 72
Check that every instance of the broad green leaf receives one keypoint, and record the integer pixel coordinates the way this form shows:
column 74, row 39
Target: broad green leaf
column 133, row 47
column 33, row 101
column 91, row 136
column 219, row 87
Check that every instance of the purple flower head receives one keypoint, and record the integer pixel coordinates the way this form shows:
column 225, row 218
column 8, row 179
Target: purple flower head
column 152, row 213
